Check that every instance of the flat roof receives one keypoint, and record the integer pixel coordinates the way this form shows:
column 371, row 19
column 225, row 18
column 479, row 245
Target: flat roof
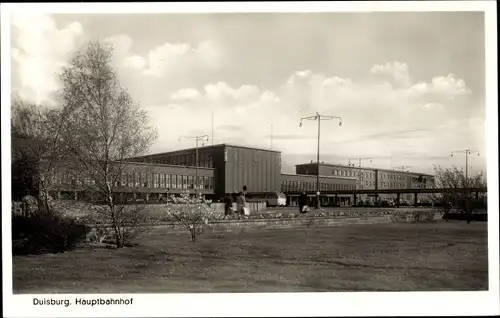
column 363, row 168
column 314, row 176
column 205, row 147
column 165, row 165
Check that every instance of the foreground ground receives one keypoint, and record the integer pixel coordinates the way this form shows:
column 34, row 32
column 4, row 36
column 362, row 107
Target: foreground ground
column 382, row 257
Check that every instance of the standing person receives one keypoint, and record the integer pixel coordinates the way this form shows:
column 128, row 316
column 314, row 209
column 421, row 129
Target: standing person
column 240, row 203
column 228, row 206
column 303, row 202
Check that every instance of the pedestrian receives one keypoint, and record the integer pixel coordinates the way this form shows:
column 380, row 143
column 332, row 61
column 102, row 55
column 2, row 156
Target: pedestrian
column 303, row 206
column 240, row 203
column 228, row 205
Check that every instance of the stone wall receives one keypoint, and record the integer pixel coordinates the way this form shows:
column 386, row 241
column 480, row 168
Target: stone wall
column 224, row 226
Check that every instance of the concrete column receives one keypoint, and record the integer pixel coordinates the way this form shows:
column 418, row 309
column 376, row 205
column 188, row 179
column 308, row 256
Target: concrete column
column 415, row 199
column 398, row 199
column 76, row 195
column 147, row 197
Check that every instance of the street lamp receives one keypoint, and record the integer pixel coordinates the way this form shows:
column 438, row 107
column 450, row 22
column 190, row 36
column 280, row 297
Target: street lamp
column 197, row 138
column 319, row 118
column 467, row 153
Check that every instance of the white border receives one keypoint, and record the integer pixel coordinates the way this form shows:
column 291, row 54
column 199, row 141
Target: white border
column 276, row 304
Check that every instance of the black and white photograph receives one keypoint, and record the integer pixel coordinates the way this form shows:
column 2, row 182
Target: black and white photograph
column 241, row 152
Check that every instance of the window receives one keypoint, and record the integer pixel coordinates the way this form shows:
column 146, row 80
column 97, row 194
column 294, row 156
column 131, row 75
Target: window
column 190, row 182
column 156, row 180
column 184, row 182
column 210, row 161
column 210, row 183
column 173, row 179
column 201, row 158
column 167, row 181
column 130, row 179
column 162, row 180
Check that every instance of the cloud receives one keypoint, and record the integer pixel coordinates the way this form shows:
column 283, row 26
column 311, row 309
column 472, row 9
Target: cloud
column 379, row 117
column 228, row 128
column 185, row 94
column 170, row 58
column 290, row 137
column 40, row 49
column 397, row 72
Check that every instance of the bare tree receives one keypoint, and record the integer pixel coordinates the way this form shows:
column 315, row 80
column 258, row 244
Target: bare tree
column 36, row 143
column 190, row 212
column 102, row 128
column 455, row 181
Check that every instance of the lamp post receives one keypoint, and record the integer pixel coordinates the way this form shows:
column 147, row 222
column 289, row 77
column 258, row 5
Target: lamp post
column 197, row 138
column 319, row 118
column 467, row 153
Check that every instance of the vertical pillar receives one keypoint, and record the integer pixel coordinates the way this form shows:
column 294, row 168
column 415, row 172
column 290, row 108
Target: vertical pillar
column 398, row 199
column 76, row 195
column 58, row 195
column 147, row 197
column 415, row 199
column 336, row 199
column 355, row 200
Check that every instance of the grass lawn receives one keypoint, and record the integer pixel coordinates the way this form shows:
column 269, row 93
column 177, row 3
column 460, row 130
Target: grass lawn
column 378, row 257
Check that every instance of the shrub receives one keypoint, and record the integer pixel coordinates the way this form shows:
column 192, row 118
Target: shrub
column 413, row 217
column 39, row 234
column 190, row 212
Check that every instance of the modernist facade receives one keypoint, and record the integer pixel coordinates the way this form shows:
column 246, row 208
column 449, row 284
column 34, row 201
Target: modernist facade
column 372, row 178
column 233, row 166
column 225, row 169
column 137, row 181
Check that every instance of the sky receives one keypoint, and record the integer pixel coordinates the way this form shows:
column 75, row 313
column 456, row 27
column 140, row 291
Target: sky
column 409, row 87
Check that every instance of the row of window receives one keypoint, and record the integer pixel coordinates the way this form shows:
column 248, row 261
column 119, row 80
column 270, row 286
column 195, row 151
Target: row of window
column 392, row 185
column 353, row 173
column 287, row 186
column 204, row 160
column 391, row 177
column 366, row 175
column 142, row 180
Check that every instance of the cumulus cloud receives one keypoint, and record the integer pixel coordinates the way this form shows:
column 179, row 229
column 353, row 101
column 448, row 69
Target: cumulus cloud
column 40, row 49
column 397, row 72
column 185, row 94
column 169, row 58
column 379, row 118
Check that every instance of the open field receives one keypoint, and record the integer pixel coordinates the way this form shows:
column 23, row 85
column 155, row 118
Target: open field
column 378, row 257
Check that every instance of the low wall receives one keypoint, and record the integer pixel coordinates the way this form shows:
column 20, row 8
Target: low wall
column 236, row 226
column 253, row 206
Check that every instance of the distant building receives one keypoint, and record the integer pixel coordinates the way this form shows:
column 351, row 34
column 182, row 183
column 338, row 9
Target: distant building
column 372, row 178
column 224, row 169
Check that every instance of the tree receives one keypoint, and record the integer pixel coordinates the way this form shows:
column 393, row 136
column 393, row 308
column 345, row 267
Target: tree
column 454, row 179
column 35, row 150
column 102, row 128
column 190, row 212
